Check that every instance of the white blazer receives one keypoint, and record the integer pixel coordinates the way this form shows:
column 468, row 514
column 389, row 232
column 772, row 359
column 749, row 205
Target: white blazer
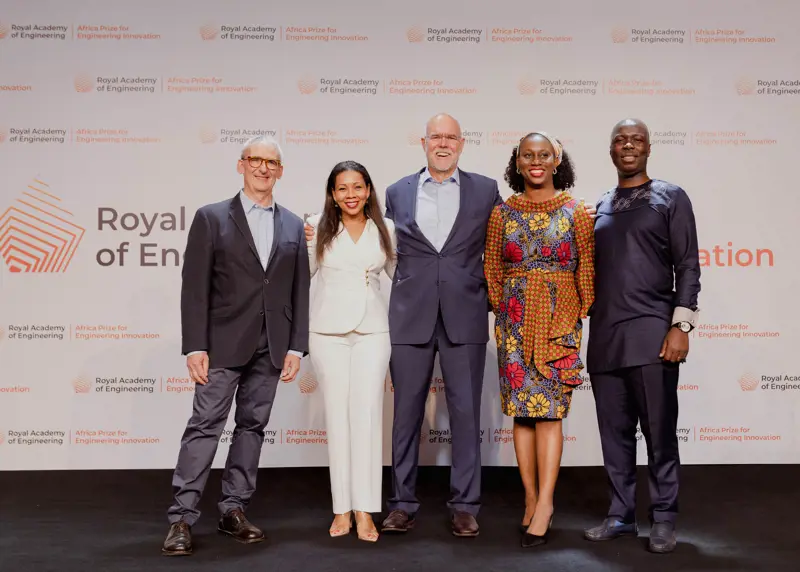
column 346, row 296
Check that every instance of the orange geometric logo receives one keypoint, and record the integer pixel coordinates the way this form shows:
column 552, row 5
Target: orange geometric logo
column 208, row 135
column 307, row 86
column 745, row 86
column 35, row 235
column 208, row 32
column 2, row 333
column 308, row 383
column 81, row 385
column 3, row 135
column 527, row 86
column 4, row 30
column 416, row 34
column 748, row 382
column 413, row 139
column 619, row 35
column 84, row 83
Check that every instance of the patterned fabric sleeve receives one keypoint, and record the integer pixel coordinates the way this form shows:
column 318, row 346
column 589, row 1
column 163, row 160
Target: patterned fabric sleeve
column 492, row 259
column 584, row 274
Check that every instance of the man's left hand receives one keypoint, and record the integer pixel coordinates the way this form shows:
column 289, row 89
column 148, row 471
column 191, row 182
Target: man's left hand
column 675, row 347
column 291, row 365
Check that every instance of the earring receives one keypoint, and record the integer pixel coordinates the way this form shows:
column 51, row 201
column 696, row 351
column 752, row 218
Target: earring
column 518, row 173
column 336, row 205
column 555, row 170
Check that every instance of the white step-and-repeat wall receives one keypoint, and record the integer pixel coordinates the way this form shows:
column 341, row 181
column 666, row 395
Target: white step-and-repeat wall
column 118, row 120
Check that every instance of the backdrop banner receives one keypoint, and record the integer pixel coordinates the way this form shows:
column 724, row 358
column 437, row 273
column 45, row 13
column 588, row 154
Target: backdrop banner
column 117, row 123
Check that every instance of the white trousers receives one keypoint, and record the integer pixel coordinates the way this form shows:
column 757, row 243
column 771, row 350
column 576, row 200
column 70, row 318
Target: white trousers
column 351, row 370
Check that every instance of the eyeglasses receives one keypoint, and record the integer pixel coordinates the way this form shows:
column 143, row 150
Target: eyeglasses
column 449, row 138
column 255, row 162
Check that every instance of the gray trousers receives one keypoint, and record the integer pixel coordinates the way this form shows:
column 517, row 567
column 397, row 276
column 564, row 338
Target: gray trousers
column 254, row 386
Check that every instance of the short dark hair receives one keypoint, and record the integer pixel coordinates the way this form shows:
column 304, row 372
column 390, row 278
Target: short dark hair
column 563, row 179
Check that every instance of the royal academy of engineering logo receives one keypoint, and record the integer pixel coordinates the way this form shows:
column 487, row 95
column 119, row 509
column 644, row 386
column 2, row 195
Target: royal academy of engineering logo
column 307, row 85
column 81, row 384
column 415, row 35
column 748, row 382
column 37, row 232
column 209, row 32
column 308, row 383
column 745, row 86
column 774, row 382
column 619, row 35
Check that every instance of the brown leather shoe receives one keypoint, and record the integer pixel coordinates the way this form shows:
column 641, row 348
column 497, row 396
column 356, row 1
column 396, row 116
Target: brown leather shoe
column 179, row 540
column 464, row 524
column 397, row 521
column 235, row 524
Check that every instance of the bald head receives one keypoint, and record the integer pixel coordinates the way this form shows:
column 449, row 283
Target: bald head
column 631, row 122
column 442, row 122
column 630, row 149
column 443, row 144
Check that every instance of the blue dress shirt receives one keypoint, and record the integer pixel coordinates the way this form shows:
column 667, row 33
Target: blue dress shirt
column 437, row 206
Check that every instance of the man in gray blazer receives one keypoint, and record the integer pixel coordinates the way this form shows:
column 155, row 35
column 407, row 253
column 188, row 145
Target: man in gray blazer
column 244, row 318
column 439, row 304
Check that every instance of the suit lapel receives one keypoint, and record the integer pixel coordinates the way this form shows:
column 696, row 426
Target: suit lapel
column 463, row 205
column 240, row 219
column 276, row 233
column 411, row 194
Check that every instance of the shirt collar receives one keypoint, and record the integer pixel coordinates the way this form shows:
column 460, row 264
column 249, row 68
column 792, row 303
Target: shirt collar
column 248, row 204
column 454, row 178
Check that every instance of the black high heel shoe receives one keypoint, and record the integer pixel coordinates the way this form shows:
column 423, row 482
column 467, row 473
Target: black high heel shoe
column 523, row 528
column 533, row 540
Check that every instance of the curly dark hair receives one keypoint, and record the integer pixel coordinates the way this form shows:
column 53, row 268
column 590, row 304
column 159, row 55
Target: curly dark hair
column 563, row 179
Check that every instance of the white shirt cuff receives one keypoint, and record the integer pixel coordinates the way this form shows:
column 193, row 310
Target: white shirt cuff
column 197, row 352
column 296, row 353
column 685, row 315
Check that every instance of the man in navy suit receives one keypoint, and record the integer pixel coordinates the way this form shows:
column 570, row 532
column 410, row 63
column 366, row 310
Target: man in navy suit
column 244, row 318
column 439, row 304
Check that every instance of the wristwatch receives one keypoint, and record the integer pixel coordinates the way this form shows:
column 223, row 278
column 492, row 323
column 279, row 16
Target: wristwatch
column 685, row 327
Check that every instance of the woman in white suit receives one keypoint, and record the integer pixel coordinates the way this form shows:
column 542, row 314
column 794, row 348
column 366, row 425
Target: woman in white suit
column 349, row 342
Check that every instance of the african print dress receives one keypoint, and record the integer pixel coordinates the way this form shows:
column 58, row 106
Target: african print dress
column 539, row 264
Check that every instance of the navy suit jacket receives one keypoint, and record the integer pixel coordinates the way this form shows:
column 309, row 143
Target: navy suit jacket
column 452, row 279
column 226, row 295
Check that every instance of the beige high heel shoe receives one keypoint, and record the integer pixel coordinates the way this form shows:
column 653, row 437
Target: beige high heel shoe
column 337, row 530
column 365, row 522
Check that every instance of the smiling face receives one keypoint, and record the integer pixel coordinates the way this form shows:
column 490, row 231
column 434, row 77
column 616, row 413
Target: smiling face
column 261, row 167
column 443, row 144
column 536, row 161
column 350, row 192
column 630, row 148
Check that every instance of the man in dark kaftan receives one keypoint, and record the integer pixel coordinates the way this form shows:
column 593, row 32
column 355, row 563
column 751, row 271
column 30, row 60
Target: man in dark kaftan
column 647, row 283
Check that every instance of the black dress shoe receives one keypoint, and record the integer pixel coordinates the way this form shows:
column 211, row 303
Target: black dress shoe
column 179, row 540
column 236, row 525
column 662, row 538
column 610, row 529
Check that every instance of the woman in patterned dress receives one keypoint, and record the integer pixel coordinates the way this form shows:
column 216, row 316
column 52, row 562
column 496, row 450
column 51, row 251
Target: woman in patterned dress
column 539, row 264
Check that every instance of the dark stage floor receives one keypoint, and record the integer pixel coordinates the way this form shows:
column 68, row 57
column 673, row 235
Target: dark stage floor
column 733, row 518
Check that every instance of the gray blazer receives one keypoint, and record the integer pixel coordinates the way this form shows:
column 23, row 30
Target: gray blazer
column 226, row 296
column 453, row 278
